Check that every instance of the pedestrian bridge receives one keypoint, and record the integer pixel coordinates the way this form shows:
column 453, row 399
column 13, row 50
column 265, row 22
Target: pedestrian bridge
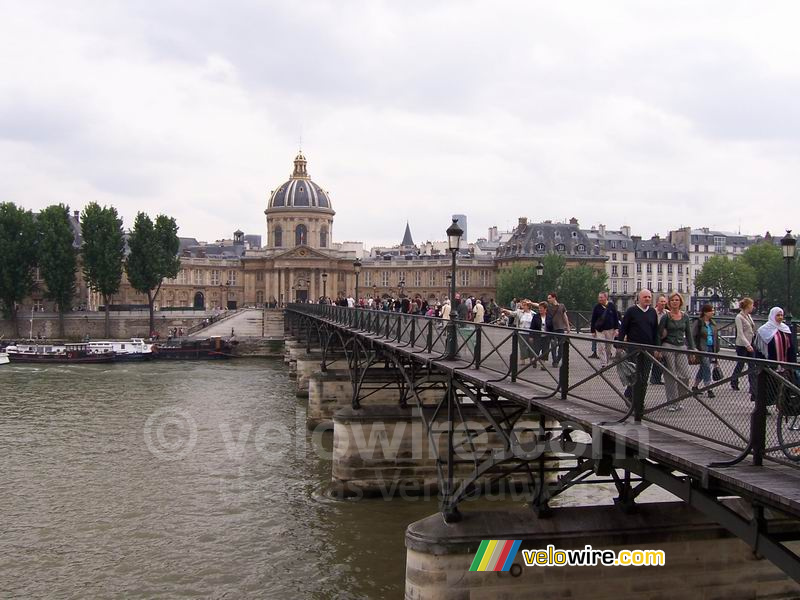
column 591, row 426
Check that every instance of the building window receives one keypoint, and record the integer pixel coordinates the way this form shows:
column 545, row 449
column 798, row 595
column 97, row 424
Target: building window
column 385, row 278
column 613, row 270
column 660, row 286
column 484, row 278
column 38, row 306
column 719, row 244
column 182, row 276
column 417, row 279
column 613, row 286
column 680, row 286
column 638, row 267
column 649, row 267
column 300, row 235
column 705, row 259
column 624, row 257
column 198, row 277
column 560, row 247
column 540, row 247
column 660, row 268
column 367, row 278
column 624, row 270
column 638, row 284
column 680, row 269
column 231, row 277
column 581, row 248
column 401, row 276
column 259, row 275
column 214, row 276
column 260, row 297
column 432, row 278
column 323, row 237
column 696, row 259
column 464, row 277
column 649, row 284
column 614, row 256
column 669, row 268
column 624, row 286
column 613, row 244
column 278, row 237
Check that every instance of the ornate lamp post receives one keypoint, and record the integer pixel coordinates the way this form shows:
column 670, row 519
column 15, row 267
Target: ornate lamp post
column 375, row 292
column 400, row 287
column 325, row 288
column 539, row 270
column 788, row 246
column 357, row 269
column 454, row 233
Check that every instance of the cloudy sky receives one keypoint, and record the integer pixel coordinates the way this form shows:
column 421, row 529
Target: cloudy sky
column 651, row 114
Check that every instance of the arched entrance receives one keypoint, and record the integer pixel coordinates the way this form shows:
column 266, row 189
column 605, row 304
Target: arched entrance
column 199, row 301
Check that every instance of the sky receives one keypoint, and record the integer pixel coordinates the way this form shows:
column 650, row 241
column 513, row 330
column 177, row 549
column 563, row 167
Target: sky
column 654, row 114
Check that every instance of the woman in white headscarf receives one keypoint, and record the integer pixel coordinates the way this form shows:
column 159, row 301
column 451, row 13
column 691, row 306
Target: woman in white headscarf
column 774, row 341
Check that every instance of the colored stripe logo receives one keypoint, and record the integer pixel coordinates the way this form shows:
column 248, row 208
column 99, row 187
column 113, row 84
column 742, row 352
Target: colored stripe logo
column 495, row 555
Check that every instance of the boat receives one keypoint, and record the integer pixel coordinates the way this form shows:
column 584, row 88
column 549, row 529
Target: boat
column 133, row 349
column 4, row 358
column 193, row 349
column 56, row 354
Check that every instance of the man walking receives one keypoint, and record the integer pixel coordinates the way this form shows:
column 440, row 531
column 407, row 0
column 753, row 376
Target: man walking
column 558, row 314
column 639, row 326
column 604, row 325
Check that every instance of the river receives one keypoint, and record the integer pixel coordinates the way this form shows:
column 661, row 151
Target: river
column 192, row 480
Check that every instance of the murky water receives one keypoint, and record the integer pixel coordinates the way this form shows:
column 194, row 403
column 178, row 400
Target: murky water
column 196, row 480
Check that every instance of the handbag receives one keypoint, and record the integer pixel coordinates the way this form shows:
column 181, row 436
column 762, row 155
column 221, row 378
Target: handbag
column 716, row 373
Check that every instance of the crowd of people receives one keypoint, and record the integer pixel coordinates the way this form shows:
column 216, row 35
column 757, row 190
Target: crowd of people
column 665, row 324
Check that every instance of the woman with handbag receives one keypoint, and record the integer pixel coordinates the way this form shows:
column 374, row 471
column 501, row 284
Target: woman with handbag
column 706, row 338
column 674, row 333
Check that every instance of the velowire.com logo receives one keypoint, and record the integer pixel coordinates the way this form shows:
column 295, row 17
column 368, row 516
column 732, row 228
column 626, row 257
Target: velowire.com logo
column 495, row 555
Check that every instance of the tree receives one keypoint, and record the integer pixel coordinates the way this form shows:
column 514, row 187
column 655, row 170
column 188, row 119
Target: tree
column 730, row 278
column 521, row 281
column 17, row 258
column 763, row 258
column 57, row 258
column 103, row 252
column 580, row 285
column 153, row 256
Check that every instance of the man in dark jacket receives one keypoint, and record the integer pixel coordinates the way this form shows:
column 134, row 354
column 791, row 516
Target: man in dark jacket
column 604, row 325
column 639, row 326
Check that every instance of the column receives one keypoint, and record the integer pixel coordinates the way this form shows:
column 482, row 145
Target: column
column 279, row 289
column 291, row 285
column 312, row 286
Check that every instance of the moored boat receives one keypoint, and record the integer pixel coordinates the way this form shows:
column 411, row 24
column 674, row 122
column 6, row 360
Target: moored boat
column 4, row 358
column 56, row 354
column 133, row 349
column 193, row 349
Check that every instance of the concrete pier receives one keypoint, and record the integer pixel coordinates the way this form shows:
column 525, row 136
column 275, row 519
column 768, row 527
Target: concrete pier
column 702, row 559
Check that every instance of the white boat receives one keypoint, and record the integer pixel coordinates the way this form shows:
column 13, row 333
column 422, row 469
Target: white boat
column 133, row 349
column 4, row 358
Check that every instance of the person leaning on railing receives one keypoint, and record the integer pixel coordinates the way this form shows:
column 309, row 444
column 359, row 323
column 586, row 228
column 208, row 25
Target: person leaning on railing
column 674, row 333
column 745, row 332
column 706, row 339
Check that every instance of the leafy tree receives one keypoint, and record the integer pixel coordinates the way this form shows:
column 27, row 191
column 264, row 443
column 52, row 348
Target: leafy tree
column 153, row 256
column 17, row 258
column 521, row 281
column 764, row 258
column 57, row 258
column 580, row 285
column 103, row 252
column 730, row 278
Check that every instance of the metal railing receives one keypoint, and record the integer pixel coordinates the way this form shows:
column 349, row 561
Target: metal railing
column 750, row 406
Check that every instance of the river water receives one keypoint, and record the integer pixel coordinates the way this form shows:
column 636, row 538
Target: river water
column 169, row 480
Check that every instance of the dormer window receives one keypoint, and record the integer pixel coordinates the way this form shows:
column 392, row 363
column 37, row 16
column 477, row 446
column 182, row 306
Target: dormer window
column 561, row 248
column 574, row 234
column 540, row 247
column 581, row 248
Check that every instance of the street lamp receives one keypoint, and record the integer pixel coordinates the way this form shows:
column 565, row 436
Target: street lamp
column 357, row 269
column 454, row 233
column 788, row 245
column 375, row 292
column 539, row 269
column 401, row 286
column 325, row 288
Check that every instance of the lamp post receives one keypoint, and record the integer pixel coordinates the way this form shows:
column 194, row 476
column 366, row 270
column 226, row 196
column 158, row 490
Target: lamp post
column 539, row 270
column 325, row 288
column 375, row 293
column 454, row 233
column 401, row 286
column 357, row 269
column 788, row 246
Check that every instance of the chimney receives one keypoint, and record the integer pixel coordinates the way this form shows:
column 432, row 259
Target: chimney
column 602, row 229
column 626, row 230
column 523, row 221
column 573, row 221
column 76, row 214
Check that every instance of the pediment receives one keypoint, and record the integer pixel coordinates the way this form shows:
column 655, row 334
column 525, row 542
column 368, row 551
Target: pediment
column 302, row 252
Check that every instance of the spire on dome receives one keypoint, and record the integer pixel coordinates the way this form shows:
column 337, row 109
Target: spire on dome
column 407, row 240
column 300, row 171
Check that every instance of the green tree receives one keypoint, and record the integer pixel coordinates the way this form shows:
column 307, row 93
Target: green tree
column 764, row 258
column 17, row 258
column 57, row 258
column 580, row 285
column 103, row 252
column 521, row 281
column 153, row 256
column 730, row 278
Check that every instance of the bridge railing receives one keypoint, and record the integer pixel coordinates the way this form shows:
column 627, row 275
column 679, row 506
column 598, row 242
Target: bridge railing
column 748, row 405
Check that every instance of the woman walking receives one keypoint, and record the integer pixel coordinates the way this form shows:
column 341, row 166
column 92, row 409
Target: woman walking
column 774, row 341
column 745, row 331
column 706, row 339
column 674, row 333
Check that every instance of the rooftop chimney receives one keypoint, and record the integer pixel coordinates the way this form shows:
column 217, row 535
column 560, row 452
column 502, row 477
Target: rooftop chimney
column 602, row 229
column 573, row 221
column 523, row 221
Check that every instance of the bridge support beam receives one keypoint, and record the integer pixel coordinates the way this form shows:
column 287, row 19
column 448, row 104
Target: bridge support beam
column 703, row 560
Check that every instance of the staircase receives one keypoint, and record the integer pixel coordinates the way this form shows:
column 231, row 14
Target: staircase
column 246, row 323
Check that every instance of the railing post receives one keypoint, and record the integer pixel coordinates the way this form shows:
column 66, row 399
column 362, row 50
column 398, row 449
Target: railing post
column 758, row 425
column 640, row 386
column 413, row 330
column 563, row 373
column 399, row 326
column 429, row 341
column 514, row 354
column 388, row 330
column 477, row 349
